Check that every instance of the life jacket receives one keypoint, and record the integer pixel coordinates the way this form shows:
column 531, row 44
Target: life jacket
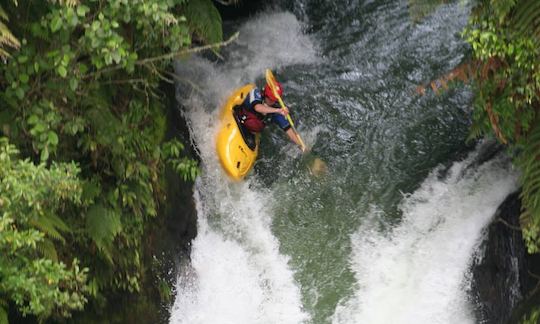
column 252, row 121
column 249, row 118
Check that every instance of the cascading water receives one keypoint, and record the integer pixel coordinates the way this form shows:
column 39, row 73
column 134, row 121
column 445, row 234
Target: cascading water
column 236, row 274
column 415, row 272
column 385, row 236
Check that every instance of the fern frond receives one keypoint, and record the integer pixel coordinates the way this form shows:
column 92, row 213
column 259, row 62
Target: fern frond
column 3, row 54
column 68, row 3
column 51, row 225
column 526, row 19
column 475, row 132
column 3, row 14
column 7, row 39
column 204, row 20
column 529, row 163
column 102, row 225
column 47, row 249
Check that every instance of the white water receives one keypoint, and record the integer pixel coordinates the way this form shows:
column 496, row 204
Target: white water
column 414, row 273
column 418, row 272
column 237, row 274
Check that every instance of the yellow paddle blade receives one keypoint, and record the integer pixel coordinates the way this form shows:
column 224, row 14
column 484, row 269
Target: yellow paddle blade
column 271, row 81
column 318, row 167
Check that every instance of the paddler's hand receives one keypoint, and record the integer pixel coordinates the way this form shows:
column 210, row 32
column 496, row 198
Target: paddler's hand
column 283, row 111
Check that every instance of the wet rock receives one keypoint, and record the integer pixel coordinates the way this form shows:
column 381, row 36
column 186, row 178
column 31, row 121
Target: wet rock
column 500, row 271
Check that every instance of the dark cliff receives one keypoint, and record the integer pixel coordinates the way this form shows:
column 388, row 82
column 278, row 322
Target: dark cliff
column 503, row 280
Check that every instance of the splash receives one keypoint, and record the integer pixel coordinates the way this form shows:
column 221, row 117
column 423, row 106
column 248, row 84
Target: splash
column 418, row 273
column 236, row 273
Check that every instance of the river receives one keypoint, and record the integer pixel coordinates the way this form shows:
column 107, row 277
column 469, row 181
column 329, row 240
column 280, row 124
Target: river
column 389, row 233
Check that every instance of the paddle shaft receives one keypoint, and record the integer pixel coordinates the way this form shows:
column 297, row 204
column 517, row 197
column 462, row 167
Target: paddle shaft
column 270, row 81
column 292, row 124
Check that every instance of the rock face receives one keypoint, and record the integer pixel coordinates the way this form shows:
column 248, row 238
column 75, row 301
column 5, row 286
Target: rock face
column 500, row 272
column 180, row 213
column 233, row 10
column 170, row 236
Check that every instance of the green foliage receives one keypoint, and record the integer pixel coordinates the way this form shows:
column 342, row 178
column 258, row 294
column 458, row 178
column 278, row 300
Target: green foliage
column 3, row 315
column 504, row 35
column 528, row 161
column 6, row 37
column 47, row 249
column 526, row 20
column 205, row 20
column 32, row 196
column 103, row 225
column 533, row 318
column 84, row 87
column 185, row 167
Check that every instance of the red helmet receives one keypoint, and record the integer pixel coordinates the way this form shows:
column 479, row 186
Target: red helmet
column 270, row 94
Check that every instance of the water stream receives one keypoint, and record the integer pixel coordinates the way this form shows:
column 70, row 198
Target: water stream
column 387, row 236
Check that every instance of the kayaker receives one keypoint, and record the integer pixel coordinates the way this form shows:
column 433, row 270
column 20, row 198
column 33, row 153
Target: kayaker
column 262, row 106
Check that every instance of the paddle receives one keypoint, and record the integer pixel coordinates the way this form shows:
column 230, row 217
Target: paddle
column 317, row 167
column 271, row 81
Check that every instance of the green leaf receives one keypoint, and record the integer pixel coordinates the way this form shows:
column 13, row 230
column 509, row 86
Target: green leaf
column 22, row 59
column 20, row 93
column 33, row 119
column 39, row 128
column 116, row 57
column 24, row 78
column 95, row 25
column 82, row 10
column 62, row 71
column 73, row 83
column 83, row 68
column 53, row 138
column 44, row 154
column 56, row 23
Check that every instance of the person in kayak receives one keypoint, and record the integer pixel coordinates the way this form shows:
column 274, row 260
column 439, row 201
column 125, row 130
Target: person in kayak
column 259, row 107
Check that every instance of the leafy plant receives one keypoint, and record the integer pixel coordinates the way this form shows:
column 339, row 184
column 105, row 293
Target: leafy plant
column 504, row 35
column 204, row 20
column 6, row 37
column 85, row 87
column 532, row 318
column 185, row 167
column 32, row 197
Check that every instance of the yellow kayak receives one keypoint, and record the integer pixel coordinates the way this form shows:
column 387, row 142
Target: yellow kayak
column 236, row 147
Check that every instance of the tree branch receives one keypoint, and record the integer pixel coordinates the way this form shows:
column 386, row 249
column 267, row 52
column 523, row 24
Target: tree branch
column 189, row 51
column 124, row 81
column 513, row 227
column 193, row 85
column 154, row 70
column 170, row 55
